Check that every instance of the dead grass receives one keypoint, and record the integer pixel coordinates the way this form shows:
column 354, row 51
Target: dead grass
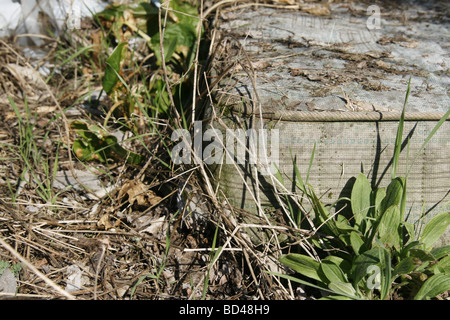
column 127, row 236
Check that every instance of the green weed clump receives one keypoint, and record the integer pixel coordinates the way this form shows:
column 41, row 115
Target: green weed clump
column 376, row 254
column 152, row 95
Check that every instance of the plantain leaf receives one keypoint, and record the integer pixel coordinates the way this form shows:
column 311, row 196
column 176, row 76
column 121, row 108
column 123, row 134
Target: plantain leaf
column 435, row 228
column 360, row 199
column 343, row 288
column 356, row 242
column 372, row 257
column 96, row 144
column 393, row 195
column 378, row 195
column 405, row 266
column 332, row 272
column 112, row 70
column 443, row 266
column 388, row 227
column 434, row 286
column 302, row 264
column 440, row 252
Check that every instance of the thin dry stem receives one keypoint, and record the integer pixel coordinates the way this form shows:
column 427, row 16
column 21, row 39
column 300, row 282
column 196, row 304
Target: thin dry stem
column 48, row 281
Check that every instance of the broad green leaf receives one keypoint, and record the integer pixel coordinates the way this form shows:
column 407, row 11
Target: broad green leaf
column 409, row 227
column 394, row 194
column 388, row 227
column 180, row 37
column 443, row 266
column 440, row 252
column 405, row 250
column 116, row 151
column 356, row 242
column 405, row 266
column 422, row 255
column 435, row 228
column 302, row 264
column 360, row 199
column 372, row 257
column 112, row 70
column 343, row 264
column 294, row 279
column 96, row 144
column 343, row 225
column 434, row 286
column 81, row 129
column 185, row 11
column 421, row 259
column 378, row 196
column 332, row 272
column 170, row 44
column 343, row 288
column 89, row 150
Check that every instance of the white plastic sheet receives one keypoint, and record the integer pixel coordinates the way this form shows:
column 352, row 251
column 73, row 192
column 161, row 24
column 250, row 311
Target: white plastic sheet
column 35, row 17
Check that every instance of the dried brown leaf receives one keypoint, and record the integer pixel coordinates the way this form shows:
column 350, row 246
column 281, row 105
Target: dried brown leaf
column 104, row 222
column 139, row 193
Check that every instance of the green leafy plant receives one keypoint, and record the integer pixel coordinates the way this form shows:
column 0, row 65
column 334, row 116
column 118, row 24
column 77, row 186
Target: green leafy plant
column 96, row 143
column 164, row 86
column 15, row 268
column 375, row 254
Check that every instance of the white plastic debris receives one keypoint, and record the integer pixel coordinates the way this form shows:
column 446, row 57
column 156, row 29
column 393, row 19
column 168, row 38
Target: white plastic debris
column 8, row 282
column 36, row 17
column 75, row 279
column 10, row 15
column 64, row 180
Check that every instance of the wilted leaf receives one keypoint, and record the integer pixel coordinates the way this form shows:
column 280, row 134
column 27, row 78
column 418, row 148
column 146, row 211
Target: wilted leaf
column 104, row 222
column 139, row 193
column 316, row 9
